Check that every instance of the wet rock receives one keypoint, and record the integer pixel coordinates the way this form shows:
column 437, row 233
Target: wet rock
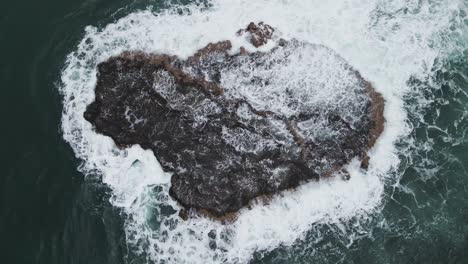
column 233, row 127
column 258, row 35
column 212, row 234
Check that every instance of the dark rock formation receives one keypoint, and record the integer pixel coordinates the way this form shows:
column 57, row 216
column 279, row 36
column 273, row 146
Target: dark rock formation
column 258, row 35
column 235, row 127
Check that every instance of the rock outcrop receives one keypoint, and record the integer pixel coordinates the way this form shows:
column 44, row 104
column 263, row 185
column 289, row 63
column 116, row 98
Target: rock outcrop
column 236, row 125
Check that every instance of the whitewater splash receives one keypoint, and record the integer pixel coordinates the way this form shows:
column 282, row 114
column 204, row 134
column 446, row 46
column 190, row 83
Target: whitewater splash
column 387, row 41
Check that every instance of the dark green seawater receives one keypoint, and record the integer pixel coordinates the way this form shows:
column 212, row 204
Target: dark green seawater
column 49, row 212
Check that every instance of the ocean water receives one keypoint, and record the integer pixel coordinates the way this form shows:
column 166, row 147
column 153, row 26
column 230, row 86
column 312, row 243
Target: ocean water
column 69, row 195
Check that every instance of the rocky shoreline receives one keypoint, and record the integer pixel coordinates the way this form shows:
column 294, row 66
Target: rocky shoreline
column 229, row 125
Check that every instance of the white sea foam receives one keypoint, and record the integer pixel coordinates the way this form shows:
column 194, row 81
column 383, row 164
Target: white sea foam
column 387, row 41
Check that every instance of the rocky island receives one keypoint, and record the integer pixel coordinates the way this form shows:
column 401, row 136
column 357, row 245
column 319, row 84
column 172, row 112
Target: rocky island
column 233, row 125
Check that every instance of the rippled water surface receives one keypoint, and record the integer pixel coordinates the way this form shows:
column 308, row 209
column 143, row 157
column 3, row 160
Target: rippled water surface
column 69, row 195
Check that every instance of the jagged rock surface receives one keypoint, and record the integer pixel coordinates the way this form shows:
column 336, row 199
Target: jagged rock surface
column 235, row 127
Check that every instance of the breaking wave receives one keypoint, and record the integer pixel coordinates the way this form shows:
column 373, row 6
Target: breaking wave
column 388, row 42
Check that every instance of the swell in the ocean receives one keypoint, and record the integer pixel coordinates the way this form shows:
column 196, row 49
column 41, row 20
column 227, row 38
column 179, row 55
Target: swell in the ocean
column 389, row 42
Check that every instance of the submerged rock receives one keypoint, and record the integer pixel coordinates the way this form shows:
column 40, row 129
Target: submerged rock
column 233, row 126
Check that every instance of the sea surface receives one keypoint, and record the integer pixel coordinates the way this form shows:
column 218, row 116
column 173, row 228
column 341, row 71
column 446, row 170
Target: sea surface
column 69, row 195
